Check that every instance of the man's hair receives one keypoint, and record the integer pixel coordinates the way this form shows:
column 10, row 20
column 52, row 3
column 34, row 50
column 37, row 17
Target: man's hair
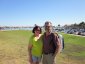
column 47, row 22
column 35, row 28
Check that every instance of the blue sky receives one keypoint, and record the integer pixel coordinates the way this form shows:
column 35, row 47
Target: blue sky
column 30, row 12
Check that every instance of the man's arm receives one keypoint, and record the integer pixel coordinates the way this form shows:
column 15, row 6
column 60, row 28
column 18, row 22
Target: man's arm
column 58, row 43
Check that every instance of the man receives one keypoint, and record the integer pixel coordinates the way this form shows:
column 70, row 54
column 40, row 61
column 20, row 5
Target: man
column 51, row 44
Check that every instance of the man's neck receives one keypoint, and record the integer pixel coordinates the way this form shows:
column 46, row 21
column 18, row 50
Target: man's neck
column 48, row 33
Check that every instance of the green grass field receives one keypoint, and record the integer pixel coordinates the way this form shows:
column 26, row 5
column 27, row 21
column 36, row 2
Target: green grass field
column 14, row 44
column 74, row 52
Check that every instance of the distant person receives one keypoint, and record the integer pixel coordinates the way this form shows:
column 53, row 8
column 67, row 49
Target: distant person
column 35, row 46
column 51, row 44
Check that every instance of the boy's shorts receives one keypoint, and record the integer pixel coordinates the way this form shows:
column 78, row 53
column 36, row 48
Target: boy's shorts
column 36, row 59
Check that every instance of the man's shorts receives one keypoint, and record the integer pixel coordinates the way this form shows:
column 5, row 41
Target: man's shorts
column 36, row 59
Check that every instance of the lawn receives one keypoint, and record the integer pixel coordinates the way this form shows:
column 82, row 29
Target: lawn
column 74, row 52
column 13, row 48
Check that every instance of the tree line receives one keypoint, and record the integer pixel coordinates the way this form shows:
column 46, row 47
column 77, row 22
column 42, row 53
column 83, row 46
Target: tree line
column 81, row 25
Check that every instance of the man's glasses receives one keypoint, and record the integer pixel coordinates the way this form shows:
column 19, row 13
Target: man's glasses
column 48, row 26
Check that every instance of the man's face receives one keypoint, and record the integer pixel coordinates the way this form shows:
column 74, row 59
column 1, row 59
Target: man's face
column 48, row 27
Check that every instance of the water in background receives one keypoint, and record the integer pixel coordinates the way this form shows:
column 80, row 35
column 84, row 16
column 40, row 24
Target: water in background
column 17, row 28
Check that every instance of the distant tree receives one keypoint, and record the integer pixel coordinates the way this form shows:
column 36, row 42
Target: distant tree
column 58, row 25
column 0, row 28
column 75, row 26
column 35, row 25
column 82, row 25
